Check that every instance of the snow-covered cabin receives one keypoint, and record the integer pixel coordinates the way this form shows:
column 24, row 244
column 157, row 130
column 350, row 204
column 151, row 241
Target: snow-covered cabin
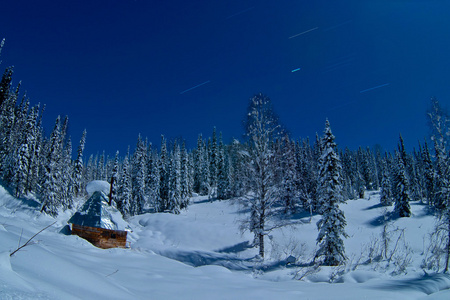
column 95, row 223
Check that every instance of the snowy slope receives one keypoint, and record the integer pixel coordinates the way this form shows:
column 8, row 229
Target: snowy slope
column 183, row 257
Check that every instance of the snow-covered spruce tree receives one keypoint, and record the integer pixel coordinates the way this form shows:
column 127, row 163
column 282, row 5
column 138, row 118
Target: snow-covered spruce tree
column 401, row 183
column 78, row 168
column 205, row 182
column 222, row 172
column 262, row 128
column 7, row 121
column 198, row 157
column 24, row 157
column 138, row 173
column 174, row 181
column 51, row 192
column 100, row 174
column 36, row 162
column 288, row 190
column 5, row 84
column 153, row 178
column 429, row 174
column 114, row 182
column 386, row 198
column 21, row 170
column 213, row 163
column 32, row 139
column 349, row 166
column 237, row 174
column 185, row 187
column 331, row 250
column 307, row 176
column 125, row 196
column 66, row 168
column 164, row 204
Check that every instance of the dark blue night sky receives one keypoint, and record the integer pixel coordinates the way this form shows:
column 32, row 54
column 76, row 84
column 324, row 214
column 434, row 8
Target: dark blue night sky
column 179, row 68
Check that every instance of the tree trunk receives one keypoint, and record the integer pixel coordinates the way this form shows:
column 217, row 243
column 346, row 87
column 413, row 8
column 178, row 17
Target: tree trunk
column 261, row 244
column 261, row 234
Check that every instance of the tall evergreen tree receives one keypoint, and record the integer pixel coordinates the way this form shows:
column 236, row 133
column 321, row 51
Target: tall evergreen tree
column 51, row 193
column 386, row 198
column 288, row 191
column 175, row 202
column 401, row 195
column 185, row 187
column 331, row 226
column 78, row 168
column 114, row 183
column 213, row 162
column 164, row 204
column 138, row 177
column 205, row 182
column 222, row 172
column 153, row 180
column 125, row 197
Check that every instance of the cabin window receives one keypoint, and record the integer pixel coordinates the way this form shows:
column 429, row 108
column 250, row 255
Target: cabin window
column 113, row 235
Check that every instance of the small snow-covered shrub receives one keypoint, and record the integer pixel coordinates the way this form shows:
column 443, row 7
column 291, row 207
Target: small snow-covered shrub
column 435, row 252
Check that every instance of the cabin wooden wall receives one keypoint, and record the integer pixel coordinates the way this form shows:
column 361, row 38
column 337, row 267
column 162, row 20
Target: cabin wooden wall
column 101, row 237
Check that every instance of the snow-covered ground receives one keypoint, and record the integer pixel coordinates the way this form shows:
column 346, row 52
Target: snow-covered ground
column 201, row 254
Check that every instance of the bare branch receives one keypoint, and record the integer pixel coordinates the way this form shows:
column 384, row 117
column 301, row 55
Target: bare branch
column 28, row 242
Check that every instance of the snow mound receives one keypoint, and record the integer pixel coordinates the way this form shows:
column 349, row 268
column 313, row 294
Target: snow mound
column 97, row 186
column 5, row 262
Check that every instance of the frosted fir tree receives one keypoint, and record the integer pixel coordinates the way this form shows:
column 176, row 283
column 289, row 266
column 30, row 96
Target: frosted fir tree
column 51, row 184
column 114, row 182
column 185, row 187
column 289, row 190
column 401, row 183
column 222, row 172
column 386, row 198
column 21, row 170
column 101, row 167
column 331, row 227
column 78, row 168
column 163, row 177
column 198, row 162
column 174, row 181
column 205, row 183
column 7, row 120
column 429, row 175
column 125, row 196
column 139, row 164
column 35, row 162
column 213, row 161
column 153, row 178
column 307, row 176
column 66, row 168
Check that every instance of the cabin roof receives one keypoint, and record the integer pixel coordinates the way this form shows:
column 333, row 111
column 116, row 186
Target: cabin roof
column 95, row 212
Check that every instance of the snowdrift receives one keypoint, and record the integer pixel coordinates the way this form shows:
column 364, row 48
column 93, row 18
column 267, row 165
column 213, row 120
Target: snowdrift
column 201, row 254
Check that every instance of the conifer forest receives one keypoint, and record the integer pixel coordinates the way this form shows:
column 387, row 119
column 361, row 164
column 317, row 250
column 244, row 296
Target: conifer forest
column 271, row 172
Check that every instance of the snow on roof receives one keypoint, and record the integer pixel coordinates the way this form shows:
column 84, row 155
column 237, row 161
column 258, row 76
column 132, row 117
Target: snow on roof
column 97, row 186
column 96, row 212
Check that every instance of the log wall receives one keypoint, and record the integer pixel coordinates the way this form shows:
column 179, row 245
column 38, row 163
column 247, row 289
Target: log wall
column 101, row 237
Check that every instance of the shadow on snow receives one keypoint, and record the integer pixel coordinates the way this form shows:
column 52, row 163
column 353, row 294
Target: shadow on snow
column 428, row 284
